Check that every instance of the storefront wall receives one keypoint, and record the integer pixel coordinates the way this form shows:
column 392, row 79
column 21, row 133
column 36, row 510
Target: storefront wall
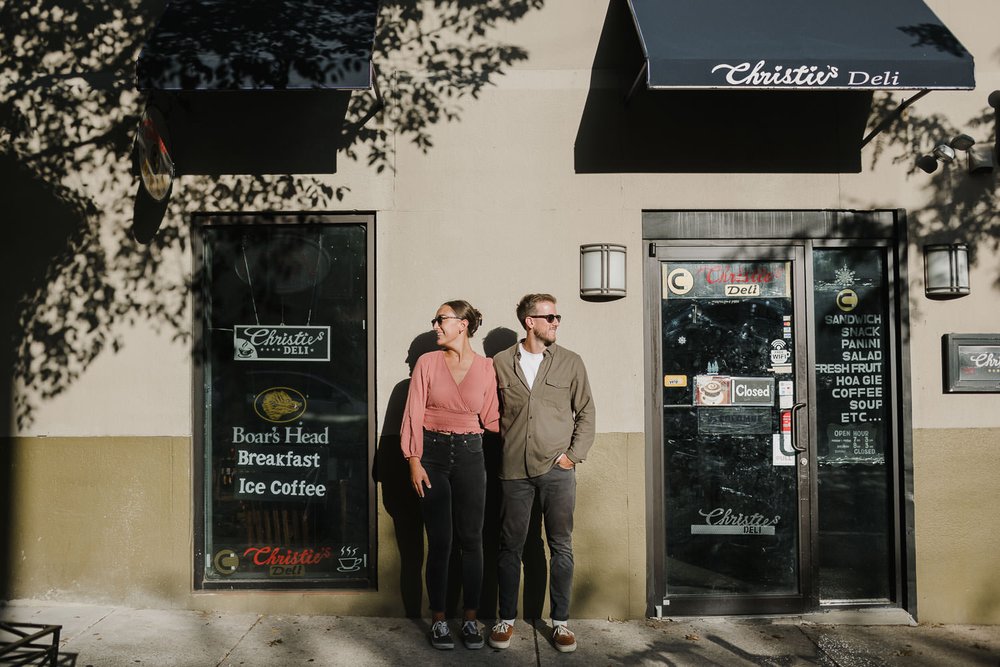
column 102, row 506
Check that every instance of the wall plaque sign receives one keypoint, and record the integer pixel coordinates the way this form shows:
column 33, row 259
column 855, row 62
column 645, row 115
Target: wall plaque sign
column 971, row 363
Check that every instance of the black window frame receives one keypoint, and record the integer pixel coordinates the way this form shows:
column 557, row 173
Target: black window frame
column 198, row 222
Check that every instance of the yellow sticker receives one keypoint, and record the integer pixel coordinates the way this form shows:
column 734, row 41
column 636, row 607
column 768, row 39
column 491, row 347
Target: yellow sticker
column 675, row 381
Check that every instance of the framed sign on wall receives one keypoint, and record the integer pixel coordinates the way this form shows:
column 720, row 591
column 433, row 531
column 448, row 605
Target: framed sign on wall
column 971, row 363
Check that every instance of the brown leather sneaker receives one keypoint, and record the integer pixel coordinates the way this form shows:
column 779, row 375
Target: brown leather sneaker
column 564, row 639
column 502, row 632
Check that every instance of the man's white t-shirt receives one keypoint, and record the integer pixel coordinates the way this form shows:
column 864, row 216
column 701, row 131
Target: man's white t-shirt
column 529, row 365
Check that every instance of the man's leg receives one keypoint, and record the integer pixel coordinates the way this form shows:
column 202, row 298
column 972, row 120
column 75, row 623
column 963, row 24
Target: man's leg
column 517, row 496
column 557, row 495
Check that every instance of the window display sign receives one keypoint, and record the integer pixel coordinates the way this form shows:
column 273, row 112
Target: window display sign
column 724, row 391
column 972, row 363
column 851, row 364
column 286, row 430
column 724, row 280
column 281, row 343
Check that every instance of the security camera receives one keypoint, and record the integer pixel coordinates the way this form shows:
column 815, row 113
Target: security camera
column 944, row 153
column 962, row 142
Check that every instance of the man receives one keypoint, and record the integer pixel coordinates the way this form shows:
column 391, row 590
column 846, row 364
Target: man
column 547, row 425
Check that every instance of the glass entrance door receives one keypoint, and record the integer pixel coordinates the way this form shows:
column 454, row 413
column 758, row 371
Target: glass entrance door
column 736, row 454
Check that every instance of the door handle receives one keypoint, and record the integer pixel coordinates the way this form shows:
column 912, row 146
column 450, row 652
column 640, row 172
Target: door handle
column 796, row 408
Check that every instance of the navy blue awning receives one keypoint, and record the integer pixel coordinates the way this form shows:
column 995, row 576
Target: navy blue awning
column 260, row 45
column 799, row 44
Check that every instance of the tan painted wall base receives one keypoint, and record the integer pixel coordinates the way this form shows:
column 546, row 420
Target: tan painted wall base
column 108, row 520
column 956, row 496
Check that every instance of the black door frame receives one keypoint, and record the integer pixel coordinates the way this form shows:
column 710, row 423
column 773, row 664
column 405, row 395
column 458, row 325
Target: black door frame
column 708, row 229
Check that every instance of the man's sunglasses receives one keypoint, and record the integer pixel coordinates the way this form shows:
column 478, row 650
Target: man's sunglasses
column 550, row 318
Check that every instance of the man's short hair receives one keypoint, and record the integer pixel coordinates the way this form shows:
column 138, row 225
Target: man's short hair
column 527, row 305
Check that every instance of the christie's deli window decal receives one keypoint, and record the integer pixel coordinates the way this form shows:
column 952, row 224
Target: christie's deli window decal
column 286, row 432
column 725, row 280
column 730, row 488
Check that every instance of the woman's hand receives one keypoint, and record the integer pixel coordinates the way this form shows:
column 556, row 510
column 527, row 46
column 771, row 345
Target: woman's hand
column 418, row 476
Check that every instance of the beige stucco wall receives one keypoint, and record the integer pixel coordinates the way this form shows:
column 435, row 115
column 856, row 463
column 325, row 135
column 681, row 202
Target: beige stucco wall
column 102, row 501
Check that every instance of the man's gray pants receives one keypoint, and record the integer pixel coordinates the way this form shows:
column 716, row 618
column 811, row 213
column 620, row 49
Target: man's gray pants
column 556, row 492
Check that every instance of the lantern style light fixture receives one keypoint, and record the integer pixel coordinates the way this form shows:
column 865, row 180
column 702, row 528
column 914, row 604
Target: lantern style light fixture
column 946, row 270
column 602, row 271
column 155, row 164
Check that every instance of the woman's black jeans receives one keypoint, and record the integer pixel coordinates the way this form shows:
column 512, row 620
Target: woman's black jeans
column 455, row 503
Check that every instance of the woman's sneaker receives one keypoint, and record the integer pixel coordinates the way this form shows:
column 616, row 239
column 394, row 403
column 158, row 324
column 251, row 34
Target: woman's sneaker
column 564, row 640
column 471, row 635
column 502, row 632
column 441, row 636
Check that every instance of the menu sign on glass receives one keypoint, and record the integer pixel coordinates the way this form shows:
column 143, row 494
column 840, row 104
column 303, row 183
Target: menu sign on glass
column 851, row 355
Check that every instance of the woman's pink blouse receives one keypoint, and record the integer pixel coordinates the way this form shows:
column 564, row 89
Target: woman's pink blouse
column 436, row 403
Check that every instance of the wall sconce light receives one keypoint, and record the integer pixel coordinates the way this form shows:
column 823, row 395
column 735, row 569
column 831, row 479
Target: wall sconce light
column 946, row 270
column 602, row 271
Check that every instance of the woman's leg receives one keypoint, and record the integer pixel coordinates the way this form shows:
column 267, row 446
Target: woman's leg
column 469, row 505
column 436, row 508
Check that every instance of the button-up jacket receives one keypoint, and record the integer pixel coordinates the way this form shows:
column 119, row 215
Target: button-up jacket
column 555, row 416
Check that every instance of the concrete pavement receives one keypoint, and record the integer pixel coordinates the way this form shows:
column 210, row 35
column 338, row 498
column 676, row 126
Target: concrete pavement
column 102, row 636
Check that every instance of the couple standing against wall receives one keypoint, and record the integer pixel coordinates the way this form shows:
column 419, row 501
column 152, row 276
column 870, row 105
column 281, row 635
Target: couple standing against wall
column 537, row 395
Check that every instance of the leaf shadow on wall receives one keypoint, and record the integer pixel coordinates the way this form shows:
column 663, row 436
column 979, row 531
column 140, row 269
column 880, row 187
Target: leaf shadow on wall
column 74, row 277
column 82, row 123
column 960, row 207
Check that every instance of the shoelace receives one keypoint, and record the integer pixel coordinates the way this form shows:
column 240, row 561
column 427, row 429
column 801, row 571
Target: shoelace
column 470, row 628
column 440, row 629
column 561, row 630
column 502, row 627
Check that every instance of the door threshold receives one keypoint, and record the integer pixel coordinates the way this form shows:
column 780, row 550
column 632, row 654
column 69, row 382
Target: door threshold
column 867, row 616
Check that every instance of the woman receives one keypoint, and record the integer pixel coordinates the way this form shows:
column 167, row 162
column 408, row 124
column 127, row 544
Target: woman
column 452, row 399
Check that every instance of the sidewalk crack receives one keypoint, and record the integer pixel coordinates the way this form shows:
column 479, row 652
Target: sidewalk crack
column 239, row 641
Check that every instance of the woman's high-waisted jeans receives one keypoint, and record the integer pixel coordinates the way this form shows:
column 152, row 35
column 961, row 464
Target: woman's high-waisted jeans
column 455, row 503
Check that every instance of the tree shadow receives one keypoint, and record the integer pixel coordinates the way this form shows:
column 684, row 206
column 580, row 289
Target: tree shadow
column 961, row 207
column 74, row 277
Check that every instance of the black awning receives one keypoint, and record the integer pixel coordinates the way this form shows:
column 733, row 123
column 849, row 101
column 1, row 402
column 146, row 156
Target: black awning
column 799, row 44
column 260, row 45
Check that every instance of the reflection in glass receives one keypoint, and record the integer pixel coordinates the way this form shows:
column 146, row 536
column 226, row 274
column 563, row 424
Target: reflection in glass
column 853, row 424
column 286, row 405
column 730, row 494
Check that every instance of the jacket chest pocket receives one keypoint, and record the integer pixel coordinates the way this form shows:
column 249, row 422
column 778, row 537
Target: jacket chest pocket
column 556, row 392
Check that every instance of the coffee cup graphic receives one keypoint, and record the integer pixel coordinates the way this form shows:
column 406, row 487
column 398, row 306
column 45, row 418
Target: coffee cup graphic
column 349, row 564
column 712, row 390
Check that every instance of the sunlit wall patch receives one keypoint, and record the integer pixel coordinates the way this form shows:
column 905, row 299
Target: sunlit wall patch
column 279, row 404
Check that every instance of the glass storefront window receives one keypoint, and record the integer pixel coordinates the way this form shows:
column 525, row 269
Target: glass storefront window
column 285, row 419
column 853, row 423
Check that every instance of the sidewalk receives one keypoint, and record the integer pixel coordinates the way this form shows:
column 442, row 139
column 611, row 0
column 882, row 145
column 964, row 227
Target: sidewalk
column 100, row 636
